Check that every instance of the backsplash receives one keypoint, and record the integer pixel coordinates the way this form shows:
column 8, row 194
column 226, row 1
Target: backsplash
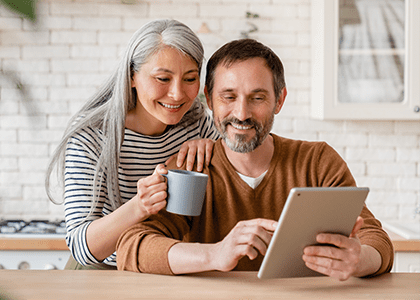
column 75, row 44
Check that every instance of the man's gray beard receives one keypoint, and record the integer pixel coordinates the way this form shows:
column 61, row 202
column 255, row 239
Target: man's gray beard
column 239, row 144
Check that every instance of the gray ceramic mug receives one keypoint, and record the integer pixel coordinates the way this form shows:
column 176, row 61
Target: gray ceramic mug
column 186, row 190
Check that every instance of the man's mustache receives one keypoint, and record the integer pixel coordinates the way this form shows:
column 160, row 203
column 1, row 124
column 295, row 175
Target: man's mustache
column 247, row 122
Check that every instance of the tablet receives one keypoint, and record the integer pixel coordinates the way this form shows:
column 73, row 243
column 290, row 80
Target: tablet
column 307, row 212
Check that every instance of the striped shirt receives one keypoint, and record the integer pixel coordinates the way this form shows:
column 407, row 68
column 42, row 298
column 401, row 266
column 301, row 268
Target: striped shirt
column 140, row 154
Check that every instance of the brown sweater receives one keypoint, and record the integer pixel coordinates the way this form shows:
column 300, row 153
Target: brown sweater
column 144, row 247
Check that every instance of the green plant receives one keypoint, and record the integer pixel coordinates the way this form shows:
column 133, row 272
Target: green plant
column 26, row 8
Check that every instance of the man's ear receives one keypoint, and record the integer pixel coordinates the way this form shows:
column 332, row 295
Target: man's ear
column 281, row 100
column 206, row 93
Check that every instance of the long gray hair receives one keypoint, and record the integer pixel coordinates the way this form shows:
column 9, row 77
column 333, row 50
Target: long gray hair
column 108, row 108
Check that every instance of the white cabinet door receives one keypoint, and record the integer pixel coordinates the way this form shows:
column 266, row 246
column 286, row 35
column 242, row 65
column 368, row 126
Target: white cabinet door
column 366, row 59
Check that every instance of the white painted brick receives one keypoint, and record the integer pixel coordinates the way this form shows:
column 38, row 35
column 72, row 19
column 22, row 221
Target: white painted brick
column 86, row 79
column 107, row 66
column 387, row 197
column 138, row 10
column 368, row 154
column 408, row 155
column 133, row 23
column 357, row 169
column 302, row 97
column 294, row 53
column 369, row 126
column 51, row 108
column 51, row 22
column 280, row 39
column 22, row 177
column 172, row 10
column 37, row 93
column 33, row 164
column 39, row 136
column 316, row 126
column 23, row 150
column 9, row 51
column 10, row 191
column 114, row 38
column 21, row 122
column 75, row 65
column 74, row 37
column 47, row 51
column 8, row 135
column 385, row 212
column 225, row 11
column 8, row 107
column 74, row 9
column 409, row 184
column 304, row 11
column 391, row 169
column 35, row 192
column 43, row 79
column 11, row 24
column 70, row 93
column 274, row 11
column 304, row 40
column 297, row 136
column 286, row 24
column 282, row 125
column 39, row 65
column 387, row 140
column 9, row 164
column 15, row 37
column 293, row 111
column 87, row 51
column 378, row 183
column 346, row 140
column 97, row 23
column 58, row 122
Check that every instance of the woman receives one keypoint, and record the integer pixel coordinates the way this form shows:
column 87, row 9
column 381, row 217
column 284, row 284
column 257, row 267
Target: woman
column 119, row 141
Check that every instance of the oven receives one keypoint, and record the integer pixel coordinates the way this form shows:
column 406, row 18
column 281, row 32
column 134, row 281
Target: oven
column 34, row 245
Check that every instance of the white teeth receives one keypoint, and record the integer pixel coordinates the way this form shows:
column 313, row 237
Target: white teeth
column 241, row 127
column 170, row 106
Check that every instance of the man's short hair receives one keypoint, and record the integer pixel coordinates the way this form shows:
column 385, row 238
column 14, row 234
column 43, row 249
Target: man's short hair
column 241, row 50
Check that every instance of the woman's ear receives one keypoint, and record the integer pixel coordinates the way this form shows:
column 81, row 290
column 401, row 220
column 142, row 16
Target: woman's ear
column 206, row 93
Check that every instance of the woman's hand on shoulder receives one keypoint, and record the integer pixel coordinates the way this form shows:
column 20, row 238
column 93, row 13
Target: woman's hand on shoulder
column 200, row 150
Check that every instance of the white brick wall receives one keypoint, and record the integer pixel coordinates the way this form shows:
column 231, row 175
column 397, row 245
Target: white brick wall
column 76, row 43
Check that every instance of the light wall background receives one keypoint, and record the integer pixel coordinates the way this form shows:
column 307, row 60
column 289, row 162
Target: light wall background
column 75, row 44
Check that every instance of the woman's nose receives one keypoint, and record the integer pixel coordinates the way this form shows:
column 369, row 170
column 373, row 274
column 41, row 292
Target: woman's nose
column 176, row 91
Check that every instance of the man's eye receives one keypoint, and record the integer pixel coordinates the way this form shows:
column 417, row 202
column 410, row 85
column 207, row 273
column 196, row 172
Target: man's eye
column 194, row 79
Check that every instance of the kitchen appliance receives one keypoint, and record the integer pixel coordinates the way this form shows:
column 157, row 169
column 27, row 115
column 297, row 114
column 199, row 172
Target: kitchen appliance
column 35, row 244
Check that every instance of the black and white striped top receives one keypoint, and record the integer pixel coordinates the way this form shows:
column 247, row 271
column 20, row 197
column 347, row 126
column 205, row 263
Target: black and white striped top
column 140, row 154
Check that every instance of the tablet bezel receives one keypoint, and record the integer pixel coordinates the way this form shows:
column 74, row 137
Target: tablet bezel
column 330, row 209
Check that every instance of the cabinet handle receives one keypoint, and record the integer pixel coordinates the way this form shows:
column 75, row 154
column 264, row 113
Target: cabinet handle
column 416, row 109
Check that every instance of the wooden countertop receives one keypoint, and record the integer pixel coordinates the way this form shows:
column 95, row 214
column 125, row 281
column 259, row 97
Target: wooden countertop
column 8, row 243
column 96, row 284
column 28, row 243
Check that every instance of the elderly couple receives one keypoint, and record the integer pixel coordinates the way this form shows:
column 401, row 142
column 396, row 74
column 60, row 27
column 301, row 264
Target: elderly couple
column 119, row 144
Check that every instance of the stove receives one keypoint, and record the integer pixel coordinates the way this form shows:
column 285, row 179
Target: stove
column 35, row 244
column 21, row 227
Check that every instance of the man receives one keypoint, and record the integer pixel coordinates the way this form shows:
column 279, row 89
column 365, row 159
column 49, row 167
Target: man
column 250, row 176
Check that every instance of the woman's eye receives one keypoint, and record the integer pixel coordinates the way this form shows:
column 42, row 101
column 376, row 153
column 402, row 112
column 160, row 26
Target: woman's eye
column 191, row 79
column 163, row 79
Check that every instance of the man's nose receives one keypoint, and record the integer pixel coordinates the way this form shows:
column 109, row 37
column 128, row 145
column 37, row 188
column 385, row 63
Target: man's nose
column 242, row 109
column 176, row 90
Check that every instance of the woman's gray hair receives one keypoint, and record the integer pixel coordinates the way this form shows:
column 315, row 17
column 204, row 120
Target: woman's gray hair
column 107, row 109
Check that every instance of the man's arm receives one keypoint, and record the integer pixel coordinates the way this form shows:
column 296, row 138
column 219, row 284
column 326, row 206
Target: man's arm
column 247, row 238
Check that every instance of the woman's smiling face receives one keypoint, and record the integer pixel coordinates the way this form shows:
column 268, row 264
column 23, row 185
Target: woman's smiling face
column 166, row 88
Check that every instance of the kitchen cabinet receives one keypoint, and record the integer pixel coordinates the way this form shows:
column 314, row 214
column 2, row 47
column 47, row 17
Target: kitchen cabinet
column 365, row 60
